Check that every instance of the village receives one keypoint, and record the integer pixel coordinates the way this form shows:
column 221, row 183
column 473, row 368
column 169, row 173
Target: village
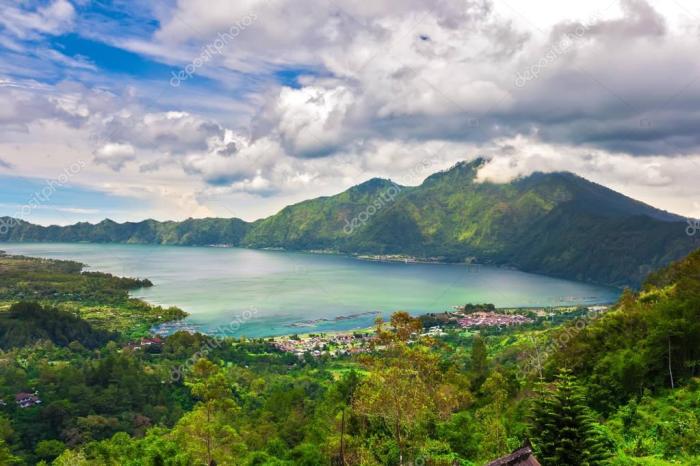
column 492, row 319
column 437, row 325
column 332, row 344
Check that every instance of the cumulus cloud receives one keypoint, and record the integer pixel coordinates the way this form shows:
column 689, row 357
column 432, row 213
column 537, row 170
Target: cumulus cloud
column 171, row 132
column 449, row 69
column 115, row 155
column 639, row 19
column 248, row 162
column 23, row 102
column 311, row 121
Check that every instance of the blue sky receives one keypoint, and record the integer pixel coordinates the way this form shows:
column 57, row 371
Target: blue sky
column 218, row 108
column 58, row 203
column 110, row 60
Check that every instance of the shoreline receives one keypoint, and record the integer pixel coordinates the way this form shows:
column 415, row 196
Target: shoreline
column 306, row 331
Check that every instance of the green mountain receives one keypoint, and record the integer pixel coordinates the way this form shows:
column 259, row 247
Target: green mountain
column 193, row 232
column 555, row 223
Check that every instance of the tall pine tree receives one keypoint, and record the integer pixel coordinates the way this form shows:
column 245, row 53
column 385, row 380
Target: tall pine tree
column 564, row 431
column 479, row 366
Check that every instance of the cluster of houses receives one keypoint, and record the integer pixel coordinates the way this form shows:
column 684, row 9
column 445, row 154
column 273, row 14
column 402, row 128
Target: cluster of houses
column 401, row 258
column 24, row 400
column 336, row 344
column 145, row 343
column 320, row 344
column 492, row 319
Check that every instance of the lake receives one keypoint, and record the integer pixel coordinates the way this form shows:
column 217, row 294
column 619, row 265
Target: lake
column 254, row 293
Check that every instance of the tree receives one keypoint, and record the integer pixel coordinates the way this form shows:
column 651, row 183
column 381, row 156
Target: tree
column 479, row 361
column 208, row 430
column 307, row 454
column 345, row 390
column 71, row 458
column 402, row 327
column 7, row 433
column 405, row 386
column 563, row 430
column 396, row 396
column 405, row 326
column 6, row 456
column 49, row 449
column 494, row 440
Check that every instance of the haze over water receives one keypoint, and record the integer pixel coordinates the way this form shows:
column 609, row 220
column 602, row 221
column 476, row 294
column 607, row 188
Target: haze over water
column 281, row 289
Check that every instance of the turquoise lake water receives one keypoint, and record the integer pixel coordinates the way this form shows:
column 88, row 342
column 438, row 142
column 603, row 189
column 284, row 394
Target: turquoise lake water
column 247, row 292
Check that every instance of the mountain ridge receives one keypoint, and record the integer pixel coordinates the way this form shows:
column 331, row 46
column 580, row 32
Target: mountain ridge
column 552, row 223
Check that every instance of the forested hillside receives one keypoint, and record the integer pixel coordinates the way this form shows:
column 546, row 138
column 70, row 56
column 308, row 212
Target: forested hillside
column 28, row 323
column 617, row 387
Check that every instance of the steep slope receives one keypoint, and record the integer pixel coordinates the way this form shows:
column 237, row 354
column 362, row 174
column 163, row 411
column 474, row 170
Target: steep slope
column 647, row 342
column 555, row 223
column 320, row 223
column 570, row 241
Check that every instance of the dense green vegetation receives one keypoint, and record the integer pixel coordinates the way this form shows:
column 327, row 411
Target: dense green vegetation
column 102, row 299
column 564, row 428
column 61, row 281
column 189, row 232
column 27, row 323
column 617, row 388
column 557, row 224
column 655, row 344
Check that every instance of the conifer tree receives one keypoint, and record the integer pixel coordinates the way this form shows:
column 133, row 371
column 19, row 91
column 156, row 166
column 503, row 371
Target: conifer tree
column 564, row 431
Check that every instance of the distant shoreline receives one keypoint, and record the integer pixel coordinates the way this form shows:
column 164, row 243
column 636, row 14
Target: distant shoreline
column 379, row 258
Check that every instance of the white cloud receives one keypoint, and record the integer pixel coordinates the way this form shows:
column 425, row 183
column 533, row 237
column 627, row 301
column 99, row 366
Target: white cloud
column 115, row 155
column 312, row 120
column 410, row 70
column 54, row 18
column 667, row 183
column 166, row 132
